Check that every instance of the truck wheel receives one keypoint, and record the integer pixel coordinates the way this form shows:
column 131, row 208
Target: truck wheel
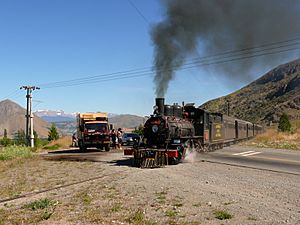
column 107, row 148
column 81, row 147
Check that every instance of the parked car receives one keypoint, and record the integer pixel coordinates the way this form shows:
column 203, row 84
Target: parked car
column 130, row 138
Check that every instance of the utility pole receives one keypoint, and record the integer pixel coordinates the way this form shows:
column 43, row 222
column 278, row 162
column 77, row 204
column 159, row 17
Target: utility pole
column 29, row 115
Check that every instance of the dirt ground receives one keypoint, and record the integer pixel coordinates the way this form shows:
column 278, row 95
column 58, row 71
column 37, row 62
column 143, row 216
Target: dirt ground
column 103, row 188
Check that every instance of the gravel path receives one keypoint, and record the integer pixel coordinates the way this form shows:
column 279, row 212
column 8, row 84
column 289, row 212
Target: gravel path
column 188, row 193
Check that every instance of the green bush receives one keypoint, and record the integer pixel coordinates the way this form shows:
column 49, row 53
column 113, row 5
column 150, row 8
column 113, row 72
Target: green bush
column 12, row 152
column 137, row 217
column 52, row 147
column 6, row 141
column 284, row 123
column 41, row 142
column 222, row 215
column 39, row 204
column 44, row 205
column 139, row 130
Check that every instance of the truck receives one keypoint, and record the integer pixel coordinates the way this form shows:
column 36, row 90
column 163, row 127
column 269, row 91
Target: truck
column 93, row 130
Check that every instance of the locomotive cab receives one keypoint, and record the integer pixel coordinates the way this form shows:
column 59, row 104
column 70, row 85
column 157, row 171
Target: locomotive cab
column 200, row 121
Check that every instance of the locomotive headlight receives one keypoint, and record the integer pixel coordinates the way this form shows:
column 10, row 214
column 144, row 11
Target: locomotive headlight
column 154, row 128
column 176, row 141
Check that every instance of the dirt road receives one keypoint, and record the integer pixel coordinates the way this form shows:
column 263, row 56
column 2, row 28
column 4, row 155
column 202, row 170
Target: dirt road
column 102, row 188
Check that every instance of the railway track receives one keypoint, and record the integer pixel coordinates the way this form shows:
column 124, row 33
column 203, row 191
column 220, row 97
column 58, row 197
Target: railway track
column 30, row 194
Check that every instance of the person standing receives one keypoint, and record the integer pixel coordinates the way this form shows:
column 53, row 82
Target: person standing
column 74, row 140
column 119, row 136
column 114, row 138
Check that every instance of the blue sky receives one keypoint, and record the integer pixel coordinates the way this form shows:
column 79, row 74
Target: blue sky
column 43, row 41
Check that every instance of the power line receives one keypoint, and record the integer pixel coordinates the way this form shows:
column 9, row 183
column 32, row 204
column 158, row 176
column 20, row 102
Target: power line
column 139, row 12
column 223, row 57
column 37, row 102
column 252, row 48
column 184, row 67
column 14, row 93
column 197, row 62
column 247, row 53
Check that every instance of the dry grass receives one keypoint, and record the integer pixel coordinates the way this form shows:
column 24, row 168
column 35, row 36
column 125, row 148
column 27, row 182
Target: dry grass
column 25, row 175
column 31, row 213
column 272, row 138
column 61, row 143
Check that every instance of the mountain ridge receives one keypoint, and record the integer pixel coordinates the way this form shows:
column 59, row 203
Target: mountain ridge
column 265, row 99
column 12, row 118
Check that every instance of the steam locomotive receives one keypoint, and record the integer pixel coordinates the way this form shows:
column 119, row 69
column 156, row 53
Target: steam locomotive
column 174, row 129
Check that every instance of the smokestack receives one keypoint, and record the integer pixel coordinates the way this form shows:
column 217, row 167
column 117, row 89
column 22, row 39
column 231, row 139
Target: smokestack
column 160, row 103
column 193, row 28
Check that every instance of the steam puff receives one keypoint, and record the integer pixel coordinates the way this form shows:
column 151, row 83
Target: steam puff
column 220, row 25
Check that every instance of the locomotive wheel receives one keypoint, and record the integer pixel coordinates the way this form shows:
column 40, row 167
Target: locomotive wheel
column 82, row 147
column 181, row 150
column 207, row 148
column 194, row 145
column 198, row 146
column 173, row 161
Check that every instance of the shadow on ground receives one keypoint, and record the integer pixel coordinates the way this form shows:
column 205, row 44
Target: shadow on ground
column 75, row 151
column 92, row 155
column 122, row 162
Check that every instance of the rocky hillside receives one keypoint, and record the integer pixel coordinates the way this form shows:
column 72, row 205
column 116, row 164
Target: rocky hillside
column 126, row 121
column 265, row 99
column 12, row 118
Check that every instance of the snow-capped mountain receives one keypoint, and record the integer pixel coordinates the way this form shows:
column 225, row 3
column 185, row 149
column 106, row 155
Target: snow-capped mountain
column 46, row 112
column 54, row 116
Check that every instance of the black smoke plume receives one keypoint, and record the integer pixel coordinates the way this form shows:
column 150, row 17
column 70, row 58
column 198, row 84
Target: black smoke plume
column 219, row 25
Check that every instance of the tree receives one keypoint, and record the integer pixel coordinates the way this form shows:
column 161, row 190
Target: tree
column 5, row 140
column 20, row 138
column 284, row 123
column 139, row 130
column 5, row 133
column 36, row 138
column 53, row 134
